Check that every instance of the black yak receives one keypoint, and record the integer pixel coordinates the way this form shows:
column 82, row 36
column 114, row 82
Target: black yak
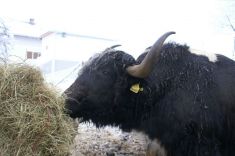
column 182, row 99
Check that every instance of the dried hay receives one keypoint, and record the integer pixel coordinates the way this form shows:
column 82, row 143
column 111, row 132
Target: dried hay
column 32, row 121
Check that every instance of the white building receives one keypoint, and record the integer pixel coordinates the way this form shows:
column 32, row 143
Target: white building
column 58, row 54
column 26, row 47
column 63, row 53
column 61, row 49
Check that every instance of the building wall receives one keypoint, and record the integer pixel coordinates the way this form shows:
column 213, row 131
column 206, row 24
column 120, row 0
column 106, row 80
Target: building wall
column 75, row 48
column 62, row 55
column 22, row 44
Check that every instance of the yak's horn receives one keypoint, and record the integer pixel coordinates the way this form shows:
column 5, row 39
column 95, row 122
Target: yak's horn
column 143, row 69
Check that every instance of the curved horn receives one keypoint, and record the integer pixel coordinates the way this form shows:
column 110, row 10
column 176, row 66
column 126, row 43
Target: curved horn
column 143, row 69
column 114, row 46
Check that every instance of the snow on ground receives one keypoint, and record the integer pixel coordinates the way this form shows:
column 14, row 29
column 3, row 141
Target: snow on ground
column 108, row 141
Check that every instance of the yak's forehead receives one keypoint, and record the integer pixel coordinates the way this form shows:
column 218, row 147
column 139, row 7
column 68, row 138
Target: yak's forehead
column 100, row 59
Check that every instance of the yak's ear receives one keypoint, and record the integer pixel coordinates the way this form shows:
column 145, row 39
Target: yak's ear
column 124, row 60
column 128, row 60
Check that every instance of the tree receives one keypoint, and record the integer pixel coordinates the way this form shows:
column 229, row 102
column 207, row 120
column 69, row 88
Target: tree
column 231, row 25
column 4, row 41
column 233, row 28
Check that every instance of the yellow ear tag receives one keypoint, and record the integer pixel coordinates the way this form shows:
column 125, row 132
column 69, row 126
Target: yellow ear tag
column 136, row 88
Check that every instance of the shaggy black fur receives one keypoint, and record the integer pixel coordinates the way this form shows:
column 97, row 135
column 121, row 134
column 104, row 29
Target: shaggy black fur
column 187, row 102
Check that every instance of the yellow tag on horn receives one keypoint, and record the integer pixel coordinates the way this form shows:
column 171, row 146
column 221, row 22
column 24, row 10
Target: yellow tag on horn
column 136, row 88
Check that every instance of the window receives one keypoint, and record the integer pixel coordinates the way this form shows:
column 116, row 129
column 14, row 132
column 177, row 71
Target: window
column 29, row 55
column 32, row 55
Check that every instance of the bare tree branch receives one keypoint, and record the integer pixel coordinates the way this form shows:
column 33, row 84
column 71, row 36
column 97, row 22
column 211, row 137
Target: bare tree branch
column 230, row 23
column 4, row 41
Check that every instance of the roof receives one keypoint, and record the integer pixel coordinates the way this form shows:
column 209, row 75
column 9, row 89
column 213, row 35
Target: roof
column 27, row 29
column 31, row 29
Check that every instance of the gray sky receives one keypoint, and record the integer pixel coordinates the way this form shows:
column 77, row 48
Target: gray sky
column 137, row 22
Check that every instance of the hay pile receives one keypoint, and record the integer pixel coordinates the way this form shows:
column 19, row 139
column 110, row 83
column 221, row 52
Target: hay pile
column 31, row 115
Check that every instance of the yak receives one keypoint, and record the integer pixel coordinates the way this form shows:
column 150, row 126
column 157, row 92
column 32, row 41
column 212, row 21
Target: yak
column 182, row 99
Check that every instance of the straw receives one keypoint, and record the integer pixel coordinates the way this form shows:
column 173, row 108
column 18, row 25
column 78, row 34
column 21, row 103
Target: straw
column 32, row 119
